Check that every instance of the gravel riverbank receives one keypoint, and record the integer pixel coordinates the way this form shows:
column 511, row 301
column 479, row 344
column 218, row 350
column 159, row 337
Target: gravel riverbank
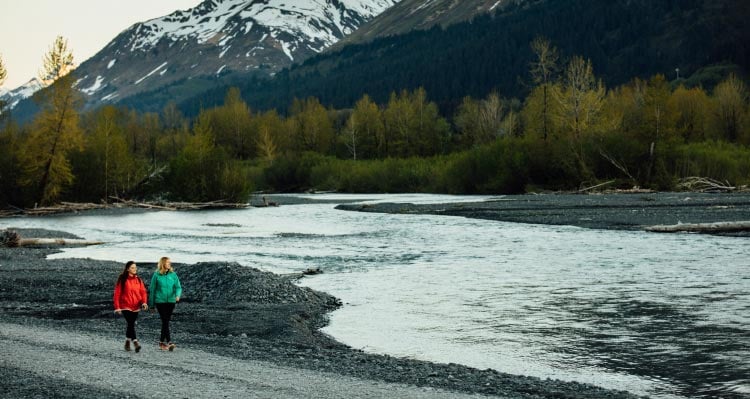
column 59, row 337
column 598, row 211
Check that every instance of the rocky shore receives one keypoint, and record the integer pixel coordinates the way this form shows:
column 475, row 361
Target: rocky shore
column 598, row 211
column 227, row 310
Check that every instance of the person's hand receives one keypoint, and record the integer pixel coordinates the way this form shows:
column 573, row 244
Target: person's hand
column 177, row 299
column 118, row 311
column 144, row 306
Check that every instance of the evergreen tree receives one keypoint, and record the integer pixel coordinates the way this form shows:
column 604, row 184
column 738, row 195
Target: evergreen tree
column 55, row 132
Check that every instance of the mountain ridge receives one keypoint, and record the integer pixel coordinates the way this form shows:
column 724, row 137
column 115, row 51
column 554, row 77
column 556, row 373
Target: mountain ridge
column 214, row 39
column 624, row 39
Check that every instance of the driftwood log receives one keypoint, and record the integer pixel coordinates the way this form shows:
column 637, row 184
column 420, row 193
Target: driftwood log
column 65, row 207
column 705, row 184
column 717, row 227
column 11, row 239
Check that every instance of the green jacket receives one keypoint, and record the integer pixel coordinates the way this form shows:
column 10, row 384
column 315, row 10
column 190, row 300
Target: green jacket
column 164, row 288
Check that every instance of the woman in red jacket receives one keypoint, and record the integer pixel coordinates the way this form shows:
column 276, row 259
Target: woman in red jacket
column 130, row 297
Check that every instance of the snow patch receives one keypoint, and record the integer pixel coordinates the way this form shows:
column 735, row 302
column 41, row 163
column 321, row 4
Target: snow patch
column 111, row 63
column 224, row 51
column 151, row 73
column 111, row 96
column 94, row 87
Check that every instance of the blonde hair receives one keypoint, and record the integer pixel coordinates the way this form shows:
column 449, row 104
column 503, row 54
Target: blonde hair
column 162, row 267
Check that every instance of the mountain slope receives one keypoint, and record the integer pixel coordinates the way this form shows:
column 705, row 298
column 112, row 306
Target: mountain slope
column 410, row 15
column 623, row 38
column 216, row 38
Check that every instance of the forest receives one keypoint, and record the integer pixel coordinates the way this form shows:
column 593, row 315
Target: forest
column 696, row 41
column 571, row 131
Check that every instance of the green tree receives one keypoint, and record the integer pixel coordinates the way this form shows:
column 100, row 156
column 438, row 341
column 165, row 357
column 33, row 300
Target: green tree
column 203, row 171
column 272, row 136
column 10, row 170
column 691, row 110
column 481, row 122
column 730, row 103
column 580, row 99
column 414, row 126
column 312, row 128
column 363, row 134
column 105, row 167
column 232, row 125
column 174, row 134
column 55, row 131
column 543, row 69
column 58, row 62
column 659, row 121
column 151, row 125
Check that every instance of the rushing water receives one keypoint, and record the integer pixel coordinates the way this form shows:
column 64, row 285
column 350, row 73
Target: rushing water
column 661, row 315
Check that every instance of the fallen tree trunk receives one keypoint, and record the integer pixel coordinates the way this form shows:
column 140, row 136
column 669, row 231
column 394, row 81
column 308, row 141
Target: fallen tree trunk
column 11, row 238
column 717, row 227
column 56, row 241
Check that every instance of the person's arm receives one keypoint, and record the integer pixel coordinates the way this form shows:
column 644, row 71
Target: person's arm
column 151, row 290
column 178, row 288
column 116, row 297
column 144, row 295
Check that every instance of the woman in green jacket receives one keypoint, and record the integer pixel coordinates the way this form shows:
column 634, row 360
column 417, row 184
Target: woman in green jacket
column 165, row 291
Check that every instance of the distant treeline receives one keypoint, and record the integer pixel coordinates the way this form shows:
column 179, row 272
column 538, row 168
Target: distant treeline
column 569, row 132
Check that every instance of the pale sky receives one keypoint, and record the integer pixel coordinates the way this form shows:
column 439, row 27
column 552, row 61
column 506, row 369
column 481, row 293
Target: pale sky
column 29, row 27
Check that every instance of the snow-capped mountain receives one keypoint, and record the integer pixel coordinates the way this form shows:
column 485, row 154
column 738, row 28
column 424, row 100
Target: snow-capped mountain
column 13, row 97
column 219, row 37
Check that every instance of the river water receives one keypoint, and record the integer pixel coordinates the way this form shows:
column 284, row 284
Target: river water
column 661, row 315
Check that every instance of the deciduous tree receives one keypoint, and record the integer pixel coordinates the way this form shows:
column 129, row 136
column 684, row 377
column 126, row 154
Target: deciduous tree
column 580, row 99
column 364, row 130
column 543, row 69
column 730, row 102
column 313, row 130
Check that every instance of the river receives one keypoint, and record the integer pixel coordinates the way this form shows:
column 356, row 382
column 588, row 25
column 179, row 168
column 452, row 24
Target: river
column 666, row 316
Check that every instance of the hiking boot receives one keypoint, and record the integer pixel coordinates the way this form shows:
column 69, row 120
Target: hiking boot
column 163, row 346
column 137, row 346
column 127, row 345
column 171, row 346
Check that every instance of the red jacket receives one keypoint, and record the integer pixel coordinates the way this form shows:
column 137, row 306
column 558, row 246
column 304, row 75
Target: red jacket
column 132, row 297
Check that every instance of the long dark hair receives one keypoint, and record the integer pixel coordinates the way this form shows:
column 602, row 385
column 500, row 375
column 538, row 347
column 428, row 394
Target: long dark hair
column 124, row 275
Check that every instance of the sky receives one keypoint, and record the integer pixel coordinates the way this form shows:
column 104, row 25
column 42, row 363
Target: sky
column 29, row 27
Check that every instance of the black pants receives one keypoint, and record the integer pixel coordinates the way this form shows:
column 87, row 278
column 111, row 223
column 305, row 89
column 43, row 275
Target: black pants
column 130, row 317
column 165, row 312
